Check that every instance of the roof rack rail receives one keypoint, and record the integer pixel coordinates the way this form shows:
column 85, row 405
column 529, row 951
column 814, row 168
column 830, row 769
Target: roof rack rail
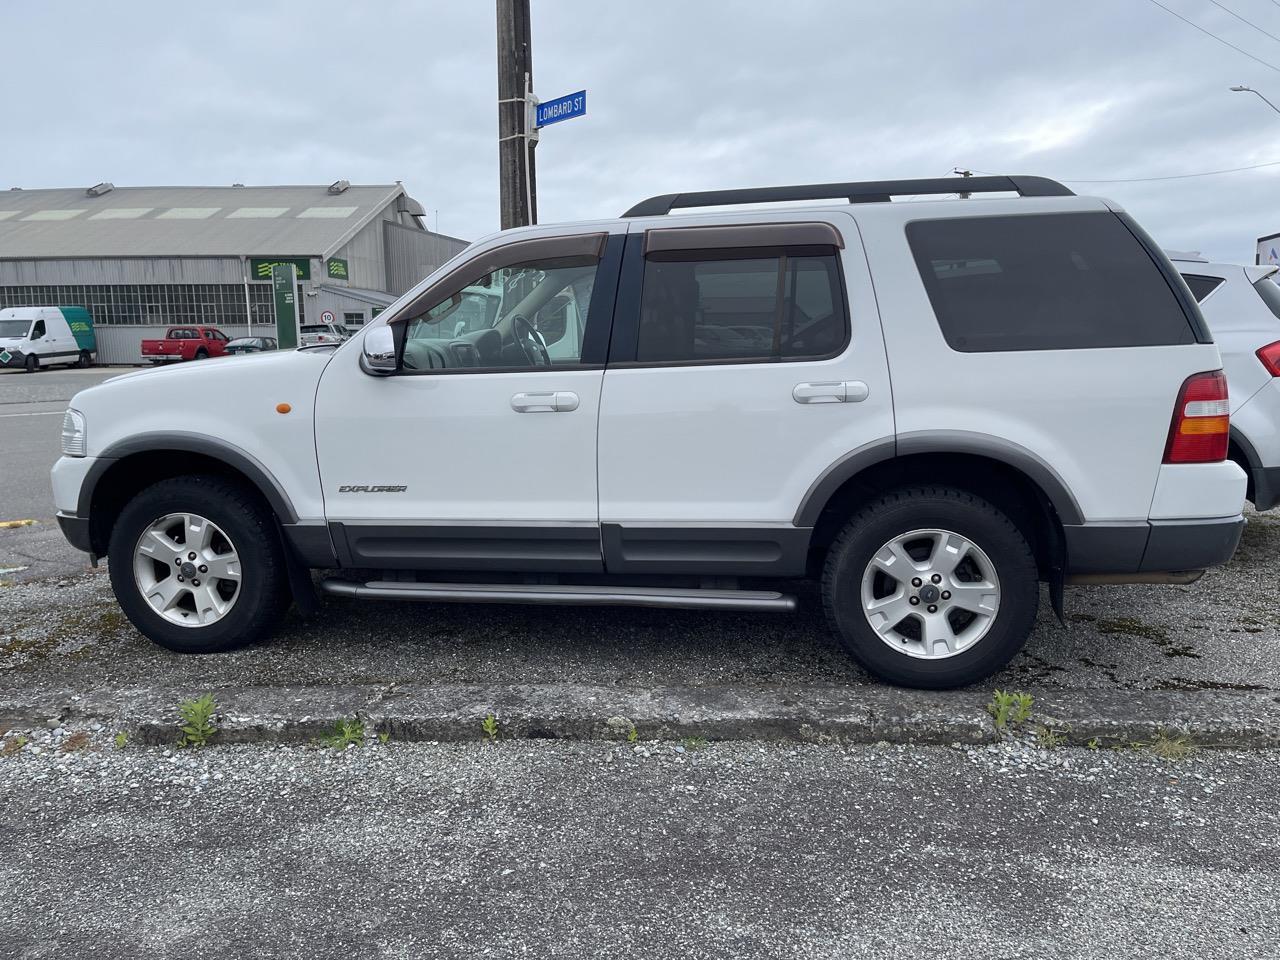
column 869, row 191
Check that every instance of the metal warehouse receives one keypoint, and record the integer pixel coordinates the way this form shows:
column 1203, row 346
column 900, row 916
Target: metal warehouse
column 144, row 258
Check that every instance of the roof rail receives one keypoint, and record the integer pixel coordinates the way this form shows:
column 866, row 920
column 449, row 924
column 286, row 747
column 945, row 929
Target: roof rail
column 869, row 191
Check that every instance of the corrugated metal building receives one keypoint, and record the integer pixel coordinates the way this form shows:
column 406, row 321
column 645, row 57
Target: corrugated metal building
column 145, row 258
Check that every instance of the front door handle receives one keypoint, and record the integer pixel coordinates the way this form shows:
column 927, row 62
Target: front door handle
column 561, row 401
column 831, row 391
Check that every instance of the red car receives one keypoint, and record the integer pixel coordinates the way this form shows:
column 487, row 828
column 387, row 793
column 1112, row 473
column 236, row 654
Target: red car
column 186, row 343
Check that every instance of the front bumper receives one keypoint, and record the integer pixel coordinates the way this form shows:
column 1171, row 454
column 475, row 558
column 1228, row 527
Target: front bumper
column 1154, row 546
column 76, row 530
column 16, row 358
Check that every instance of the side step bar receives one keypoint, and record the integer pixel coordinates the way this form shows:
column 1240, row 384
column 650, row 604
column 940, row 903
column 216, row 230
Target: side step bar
column 759, row 600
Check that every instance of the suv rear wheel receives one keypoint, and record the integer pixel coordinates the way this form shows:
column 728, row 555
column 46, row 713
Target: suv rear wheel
column 931, row 587
column 196, row 565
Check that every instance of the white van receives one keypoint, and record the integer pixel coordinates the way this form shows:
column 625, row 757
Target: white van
column 31, row 337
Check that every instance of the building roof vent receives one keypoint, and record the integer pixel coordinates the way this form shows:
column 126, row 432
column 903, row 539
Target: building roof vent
column 339, row 186
column 98, row 189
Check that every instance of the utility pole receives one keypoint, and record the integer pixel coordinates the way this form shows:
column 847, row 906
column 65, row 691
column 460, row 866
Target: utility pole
column 963, row 173
column 516, row 175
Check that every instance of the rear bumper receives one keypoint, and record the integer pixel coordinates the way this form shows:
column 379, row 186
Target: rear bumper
column 1156, row 546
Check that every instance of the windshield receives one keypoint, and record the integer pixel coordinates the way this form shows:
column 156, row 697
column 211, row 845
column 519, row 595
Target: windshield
column 14, row 328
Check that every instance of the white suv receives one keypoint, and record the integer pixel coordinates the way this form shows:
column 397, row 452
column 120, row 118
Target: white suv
column 1242, row 307
column 930, row 407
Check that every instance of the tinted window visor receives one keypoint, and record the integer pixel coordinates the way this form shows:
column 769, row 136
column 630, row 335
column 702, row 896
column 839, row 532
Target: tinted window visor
column 1269, row 291
column 1064, row 281
column 1201, row 287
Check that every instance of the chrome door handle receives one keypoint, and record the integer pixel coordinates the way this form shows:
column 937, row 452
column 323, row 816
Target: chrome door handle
column 561, row 401
column 831, row 391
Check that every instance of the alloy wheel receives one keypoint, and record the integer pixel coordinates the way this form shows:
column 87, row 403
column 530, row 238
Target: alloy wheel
column 930, row 593
column 187, row 569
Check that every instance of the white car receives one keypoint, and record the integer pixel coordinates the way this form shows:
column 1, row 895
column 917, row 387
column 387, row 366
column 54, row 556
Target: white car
column 930, row 408
column 313, row 334
column 1242, row 307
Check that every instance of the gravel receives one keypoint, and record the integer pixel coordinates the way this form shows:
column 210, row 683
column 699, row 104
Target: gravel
column 1220, row 633
column 657, row 850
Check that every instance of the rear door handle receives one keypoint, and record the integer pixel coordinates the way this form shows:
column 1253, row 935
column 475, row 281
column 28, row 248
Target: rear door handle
column 831, row 391
column 561, row 401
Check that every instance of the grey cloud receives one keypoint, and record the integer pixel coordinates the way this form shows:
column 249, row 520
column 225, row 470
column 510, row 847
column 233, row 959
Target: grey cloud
column 695, row 94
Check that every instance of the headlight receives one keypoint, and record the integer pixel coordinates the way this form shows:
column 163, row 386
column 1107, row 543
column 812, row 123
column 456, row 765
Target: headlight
column 74, row 438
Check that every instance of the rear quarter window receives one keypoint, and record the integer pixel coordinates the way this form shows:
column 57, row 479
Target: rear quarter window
column 1201, row 287
column 1064, row 281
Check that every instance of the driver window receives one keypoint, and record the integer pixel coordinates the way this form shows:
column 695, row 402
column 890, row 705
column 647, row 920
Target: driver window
column 38, row 330
column 520, row 317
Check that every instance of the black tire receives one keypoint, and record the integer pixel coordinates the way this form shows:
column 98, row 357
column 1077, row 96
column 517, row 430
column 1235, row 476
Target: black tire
column 202, row 355
column 913, row 508
column 85, row 360
column 32, row 363
column 263, row 591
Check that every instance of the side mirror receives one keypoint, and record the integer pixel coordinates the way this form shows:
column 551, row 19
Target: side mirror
column 379, row 351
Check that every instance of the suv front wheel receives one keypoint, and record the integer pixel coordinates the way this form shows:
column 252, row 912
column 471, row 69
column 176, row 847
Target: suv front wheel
column 197, row 566
column 931, row 587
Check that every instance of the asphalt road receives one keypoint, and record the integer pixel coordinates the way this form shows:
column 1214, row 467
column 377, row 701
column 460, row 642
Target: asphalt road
column 528, row 849
column 31, row 408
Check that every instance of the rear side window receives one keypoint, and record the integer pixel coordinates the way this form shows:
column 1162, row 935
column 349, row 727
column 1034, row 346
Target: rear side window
column 1270, row 294
column 1201, row 287
column 745, row 305
column 1044, row 282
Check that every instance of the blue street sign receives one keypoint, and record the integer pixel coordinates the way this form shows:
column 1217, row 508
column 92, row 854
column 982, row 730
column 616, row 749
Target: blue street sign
column 562, row 108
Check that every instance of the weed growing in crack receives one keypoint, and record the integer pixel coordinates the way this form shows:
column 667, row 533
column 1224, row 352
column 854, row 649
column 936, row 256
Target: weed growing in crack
column 1009, row 710
column 196, row 721
column 345, row 733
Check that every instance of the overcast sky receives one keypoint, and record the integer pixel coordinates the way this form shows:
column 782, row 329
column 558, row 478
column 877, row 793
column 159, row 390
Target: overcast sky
column 682, row 95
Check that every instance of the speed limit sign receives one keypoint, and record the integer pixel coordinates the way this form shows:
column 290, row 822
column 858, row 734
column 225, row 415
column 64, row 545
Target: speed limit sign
column 326, row 316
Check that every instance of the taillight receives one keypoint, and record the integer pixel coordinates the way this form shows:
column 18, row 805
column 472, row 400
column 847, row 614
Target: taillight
column 1270, row 357
column 1201, row 421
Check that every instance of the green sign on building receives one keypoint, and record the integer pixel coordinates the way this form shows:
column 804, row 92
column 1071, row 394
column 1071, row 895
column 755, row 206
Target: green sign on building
column 260, row 267
column 284, row 286
column 336, row 269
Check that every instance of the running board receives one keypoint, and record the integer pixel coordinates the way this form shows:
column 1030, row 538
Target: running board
column 760, row 600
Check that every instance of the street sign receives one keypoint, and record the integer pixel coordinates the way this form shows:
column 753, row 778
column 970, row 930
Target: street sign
column 283, row 286
column 326, row 316
column 562, row 108
column 260, row 267
column 336, row 269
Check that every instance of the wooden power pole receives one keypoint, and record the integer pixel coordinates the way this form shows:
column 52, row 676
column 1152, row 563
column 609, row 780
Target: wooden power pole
column 516, row 180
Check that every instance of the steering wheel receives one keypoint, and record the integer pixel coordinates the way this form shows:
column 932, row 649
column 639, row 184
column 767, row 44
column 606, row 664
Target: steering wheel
column 523, row 333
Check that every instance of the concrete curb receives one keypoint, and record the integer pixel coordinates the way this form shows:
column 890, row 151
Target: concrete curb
column 814, row 713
